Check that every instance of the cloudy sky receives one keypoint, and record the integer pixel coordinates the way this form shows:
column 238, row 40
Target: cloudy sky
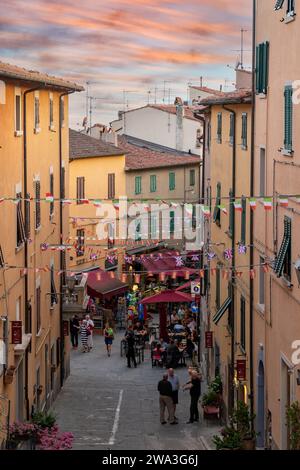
column 129, row 50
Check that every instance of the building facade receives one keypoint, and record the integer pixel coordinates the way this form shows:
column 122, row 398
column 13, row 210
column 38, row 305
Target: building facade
column 34, row 152
column 276, row 302
column 226, row 254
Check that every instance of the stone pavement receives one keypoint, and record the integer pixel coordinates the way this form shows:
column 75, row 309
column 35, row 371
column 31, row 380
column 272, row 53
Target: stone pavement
column 108, row 406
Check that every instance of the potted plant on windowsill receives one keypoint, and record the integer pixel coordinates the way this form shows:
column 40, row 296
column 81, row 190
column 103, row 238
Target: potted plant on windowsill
column 243, row 421
column 230, row 439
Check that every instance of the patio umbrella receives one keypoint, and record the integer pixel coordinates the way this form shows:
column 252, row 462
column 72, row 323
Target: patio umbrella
column 168, row 296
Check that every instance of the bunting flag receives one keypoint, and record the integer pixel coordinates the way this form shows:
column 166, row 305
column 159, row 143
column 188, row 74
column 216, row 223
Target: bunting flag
column 268, row 203
column 1, row 199
column 23, row 271
column 252, row 274
column 84, row 201
column 174, row 204
column 228, row 254
column 66, row 202
column 283, row 201
column 225, row 275
column 238, row 274
column 252, row 203
column 49, row 197
column 97, row 202
column 213, row 271
column 238, row 206
column 223, row 209
column 206, row 211
column 297, row 199
column 202, row 273
column 242, row 249
column 266, row 268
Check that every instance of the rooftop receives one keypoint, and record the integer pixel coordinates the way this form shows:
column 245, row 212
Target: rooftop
column 168, row 108
column 205, row 89
column 84, row 146
column 142, row 155
column 8, row 71
column 233, row 97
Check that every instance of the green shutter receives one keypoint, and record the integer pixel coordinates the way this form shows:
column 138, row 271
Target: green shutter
column 217, row 210
column 192, row 177
column 243, row 222
column 244, row 130
column 138, row 185
column 231, row 213
column 283, row 251
column 219, row 130
column 172, row 222
column 231, row 130
column 262, row 67
column 288, row 118
column 152, row 183
column 171, row 181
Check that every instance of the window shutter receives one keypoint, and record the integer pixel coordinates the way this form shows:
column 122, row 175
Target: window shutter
column 18, row 112
column 265, row 68
column 37, row 204
column 231, row 130
column 27, row 215
column 243, row 222
column 152, row 183
column 111, row 186
column 171, row 181
column 217, row 211
column 244, row 130
column 192, row 177
column 138, row 185
column 257, row 69
column 231, row 213
column 288, row 117
column 172, row 222
column 279, row 4
column 219, row 131
column 51, row 188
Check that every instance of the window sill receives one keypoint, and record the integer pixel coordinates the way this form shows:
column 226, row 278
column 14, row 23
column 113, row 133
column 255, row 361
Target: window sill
column 290, row 17
column 18, row 133
column 287, row 153
column 37, row 130
column 287, row 283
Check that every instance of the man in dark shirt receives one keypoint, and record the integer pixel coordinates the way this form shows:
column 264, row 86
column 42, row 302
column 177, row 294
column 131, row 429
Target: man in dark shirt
column 165, row 400
column 195, row 391
column 130, row 347
column 74, row 330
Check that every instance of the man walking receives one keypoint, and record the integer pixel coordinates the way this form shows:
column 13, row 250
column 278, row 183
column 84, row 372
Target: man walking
column 195, row 391
column 174, row 381
column 130, row 346
column 90, row 325
column 165, row 400
column 74, row 330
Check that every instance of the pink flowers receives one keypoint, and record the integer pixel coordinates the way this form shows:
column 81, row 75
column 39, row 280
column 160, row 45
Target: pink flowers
column 52, row 439
column 22, row 431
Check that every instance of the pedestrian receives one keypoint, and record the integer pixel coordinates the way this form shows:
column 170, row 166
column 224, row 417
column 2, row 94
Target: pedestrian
column 108, row 338
column 174, row 381
column 90, row 325
column 84, row 336
column 195, row 391
column 74, row 330
column 165, row 400
column 129, row 336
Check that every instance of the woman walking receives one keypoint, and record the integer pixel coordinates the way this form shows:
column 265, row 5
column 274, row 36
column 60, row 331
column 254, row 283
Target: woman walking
column 84, row 336
column 108, row 338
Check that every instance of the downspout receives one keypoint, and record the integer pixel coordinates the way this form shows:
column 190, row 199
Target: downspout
column 251, row 325
column 62, row 339
column 26, row 297
column 233, row 249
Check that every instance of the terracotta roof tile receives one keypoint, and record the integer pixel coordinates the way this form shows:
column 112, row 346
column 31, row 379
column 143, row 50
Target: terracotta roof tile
column 18, row 73
column 84, row 146
column 211, row 91
column 234, row 97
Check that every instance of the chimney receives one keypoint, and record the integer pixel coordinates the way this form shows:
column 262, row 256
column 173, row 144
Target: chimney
column 179, row 123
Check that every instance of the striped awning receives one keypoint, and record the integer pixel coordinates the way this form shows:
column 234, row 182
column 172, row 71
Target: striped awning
column 278, row 268
column 222, row 310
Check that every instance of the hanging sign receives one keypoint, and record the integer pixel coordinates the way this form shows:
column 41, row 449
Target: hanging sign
column 66, row 328
column 209, row 335
column 16, row 332
column 241, row 369
column 195, row 288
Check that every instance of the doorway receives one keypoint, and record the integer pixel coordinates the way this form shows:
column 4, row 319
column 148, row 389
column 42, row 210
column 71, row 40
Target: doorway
column 260, row 415
column 285, row 403
column 20, row 392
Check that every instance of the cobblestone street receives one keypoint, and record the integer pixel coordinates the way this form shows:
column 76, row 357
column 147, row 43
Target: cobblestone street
column 108, row 406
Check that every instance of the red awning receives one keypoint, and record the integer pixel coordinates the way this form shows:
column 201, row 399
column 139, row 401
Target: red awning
column 187, row 285
column 103, row 285
column 164, row 262
column 168, row 296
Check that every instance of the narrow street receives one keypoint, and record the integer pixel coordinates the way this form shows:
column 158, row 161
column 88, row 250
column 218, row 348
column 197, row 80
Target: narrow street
column 108, row 406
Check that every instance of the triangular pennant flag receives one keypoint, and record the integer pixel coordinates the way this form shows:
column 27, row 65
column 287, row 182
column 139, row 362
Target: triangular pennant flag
column 283, row 201
column 206, row 211
column 84, row 201
column 268, row 204
column 238, row 206
column 66, row 201
column 223, row 208
column 253, row 203
column 49, row 197
column 97, row 202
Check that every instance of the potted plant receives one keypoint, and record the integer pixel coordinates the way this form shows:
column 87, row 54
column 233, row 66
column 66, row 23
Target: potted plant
column 44, row 420
column 216, row 385
column 19, row 432
column 293, row 422
column 243, row 421
column 211, row 398
column 230, row 439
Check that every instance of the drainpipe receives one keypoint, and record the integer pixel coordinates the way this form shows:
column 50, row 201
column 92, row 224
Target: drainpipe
column 62, row 339
column 233, row 247
column 31, row 90
column 251, row 325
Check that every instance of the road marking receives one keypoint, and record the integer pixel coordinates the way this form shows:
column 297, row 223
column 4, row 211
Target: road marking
column 116, row 421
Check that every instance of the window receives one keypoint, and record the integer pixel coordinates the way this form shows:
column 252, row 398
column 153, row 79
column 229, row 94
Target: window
column 27, row 216
column 138, row 185
column 217, row 210
column 284, row 256
column 38, row 309
column 288, row 118
column 37, row 204
column 262, row 176
column 243, row 324
column 80, row 243
column 37, row 112
column 18, row 112
column 28, row 318
column 219, row 128
column 62, row 112
column 51, row 112
column 111, row 186
column 244, row 131
column 290, row 7
column 138, row 228
column 194, row 217
column 172, row 223
column 53, row 365
column 262, row 67
column 21, row 235
column 153, row 186
column 243, row 221
column 208, row 135
column 110, row 235
column 192, row 177
column 262, row 279
column 63, row 182
column 231, row 213
column 154, row 226
column 172, row 183
column 80, row 189
column 51, row 190
column 218, row 287
column 53, row 295
column 231, row 129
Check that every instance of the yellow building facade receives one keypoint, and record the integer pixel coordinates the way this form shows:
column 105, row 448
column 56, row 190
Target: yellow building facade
column 34, row 148
column 228, row 169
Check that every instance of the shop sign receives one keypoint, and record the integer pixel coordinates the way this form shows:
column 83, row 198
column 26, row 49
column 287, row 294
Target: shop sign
column 16, row 332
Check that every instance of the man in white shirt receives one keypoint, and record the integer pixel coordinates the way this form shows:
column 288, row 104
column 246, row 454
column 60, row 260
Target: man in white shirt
column 90, row 325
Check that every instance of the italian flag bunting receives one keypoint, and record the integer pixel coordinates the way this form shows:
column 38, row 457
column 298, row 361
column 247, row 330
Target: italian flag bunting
column 49, row 197
column 84, row 201
column 206, row 211
column 283, row 201
column 67, row 201
column 223, row 208
column 268, row 203
column 238, row 206
column 253, row 203
column 97, row 202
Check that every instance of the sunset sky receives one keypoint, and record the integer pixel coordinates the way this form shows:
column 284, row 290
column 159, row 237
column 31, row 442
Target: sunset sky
column 132, row 45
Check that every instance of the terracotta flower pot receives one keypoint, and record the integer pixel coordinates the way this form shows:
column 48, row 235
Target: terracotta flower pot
column 249, row 444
